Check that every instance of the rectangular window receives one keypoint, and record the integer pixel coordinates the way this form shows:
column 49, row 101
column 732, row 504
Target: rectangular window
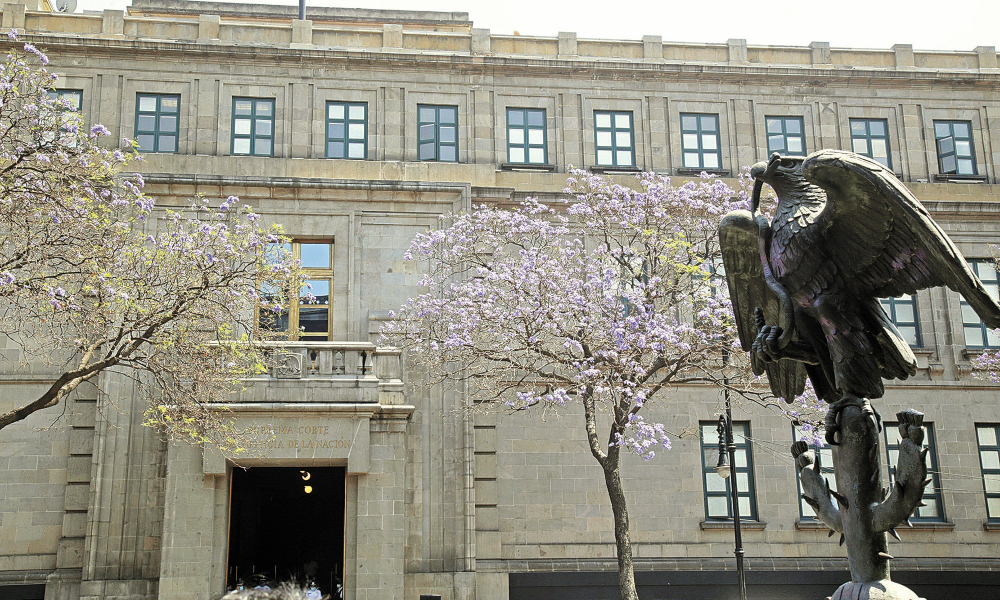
column 902, row 311
column 718, row 503
column 785, row 136
column 347, row 130
column 700, row 141
column 305, row 319
column 934, row 511
column 156, row 121
column 71, row 100
column 614, row 138
column 870, row 137
column 526, row 139
column 977, row 335
column 956, row 155
column 988, row 436
column 253, row 126
column 437, row 133
column 824, row 458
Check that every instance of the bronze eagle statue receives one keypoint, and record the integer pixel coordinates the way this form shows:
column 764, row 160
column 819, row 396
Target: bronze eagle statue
column 805, row 287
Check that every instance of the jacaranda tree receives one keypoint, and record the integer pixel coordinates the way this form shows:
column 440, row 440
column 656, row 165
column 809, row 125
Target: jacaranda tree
column 605, row 300
column 95, row 279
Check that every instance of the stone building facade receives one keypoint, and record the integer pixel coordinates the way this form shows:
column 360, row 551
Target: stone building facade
column 356, row 129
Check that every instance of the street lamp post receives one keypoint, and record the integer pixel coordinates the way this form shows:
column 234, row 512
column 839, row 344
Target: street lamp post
column 728, row 446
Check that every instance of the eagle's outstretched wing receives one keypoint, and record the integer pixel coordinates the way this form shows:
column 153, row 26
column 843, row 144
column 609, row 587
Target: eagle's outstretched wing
column 739, row 238
column 886, row 243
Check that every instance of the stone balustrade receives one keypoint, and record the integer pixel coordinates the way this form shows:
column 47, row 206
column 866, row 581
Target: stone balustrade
column 305, row 360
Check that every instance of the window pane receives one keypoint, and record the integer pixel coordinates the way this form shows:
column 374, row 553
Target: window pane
column 168, row 143
column 515, row 117
column 262, row 147
column 317, row 287
column 168, row 124
column 241, row 127
column 357, row 131
column 689, row 123
column 963, row 148
column 426, row 151
column 623, row 121
column 709, row 123
column 169, row 104
column 314, row 319
column 744, row 502
column 709, row 142
column 941, row 130
column 265, row 108
column 711, row 161
column 241, row 146
column 795, row 144
column 961, row 130
column 536, row 136
column 974, row 337
column 147, row 103
column 946, row 145
column 948, row 164
column 426, row 114
column 536, row 118
column 147, row 123
column 449, row 153
column 145, row 142
column 262, row 127
column 993, row 507
column 691, row 160
column 357, row 150
column 879, row 149
column 793, row 126
column 859, row 145
column 718, row 506
column 357, row 111
column 689, row 141
column 623, row 139
column 446, row 134
column 741, row 457
column 604, row 157
column 624, row 158
column 858, row 128
column 335, row 111
column 536, row 156
column 335, row 150
column 964, row 167
column 987, row 436
column 426, row 133
column 604, row 138
column 516, row 154
column 992, row 483
column 515, row 136
column 991, row 459
column 992, row 339
column 335, row 131
column 315, row 256
column 243, row 107
column 602, row 119
column 449, row 115
column 714, row 482
column 877, row 127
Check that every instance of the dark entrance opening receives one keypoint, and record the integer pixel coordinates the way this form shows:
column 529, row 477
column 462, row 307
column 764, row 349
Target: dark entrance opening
column 287, row 524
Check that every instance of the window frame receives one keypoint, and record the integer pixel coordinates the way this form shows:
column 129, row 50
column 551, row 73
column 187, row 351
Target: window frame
column 157, row 113
column 889, row 306
column 438, row 128
column 712, row 447
column 347, row 141
column 614, row 130
column 868, row 136
column 941, row 156
column 252, row 136
column 526, row 129
column 980, row 448
column 701, row 134
column 933, row 494
column 294, row 298
column 984, row 332
column 785, row 135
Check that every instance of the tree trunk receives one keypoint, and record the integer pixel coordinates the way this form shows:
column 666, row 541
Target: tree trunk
column 626, row 572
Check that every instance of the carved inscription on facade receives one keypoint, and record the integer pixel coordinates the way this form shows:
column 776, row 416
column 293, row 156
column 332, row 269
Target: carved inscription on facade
column 277, row 436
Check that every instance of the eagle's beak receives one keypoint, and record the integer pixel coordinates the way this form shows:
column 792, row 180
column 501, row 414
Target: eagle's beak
column 759, row 171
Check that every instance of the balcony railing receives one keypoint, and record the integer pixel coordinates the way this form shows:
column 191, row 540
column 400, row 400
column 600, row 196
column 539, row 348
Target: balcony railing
column 308, row 360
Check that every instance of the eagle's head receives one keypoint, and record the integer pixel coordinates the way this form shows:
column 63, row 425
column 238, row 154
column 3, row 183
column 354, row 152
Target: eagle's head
column 783, row 173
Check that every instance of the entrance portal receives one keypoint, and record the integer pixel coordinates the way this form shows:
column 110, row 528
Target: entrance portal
column 287, row 524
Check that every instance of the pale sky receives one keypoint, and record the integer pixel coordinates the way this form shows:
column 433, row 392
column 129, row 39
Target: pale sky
column 927, row 25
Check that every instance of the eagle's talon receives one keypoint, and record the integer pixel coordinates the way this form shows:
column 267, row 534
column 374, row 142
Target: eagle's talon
column 830, row 423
